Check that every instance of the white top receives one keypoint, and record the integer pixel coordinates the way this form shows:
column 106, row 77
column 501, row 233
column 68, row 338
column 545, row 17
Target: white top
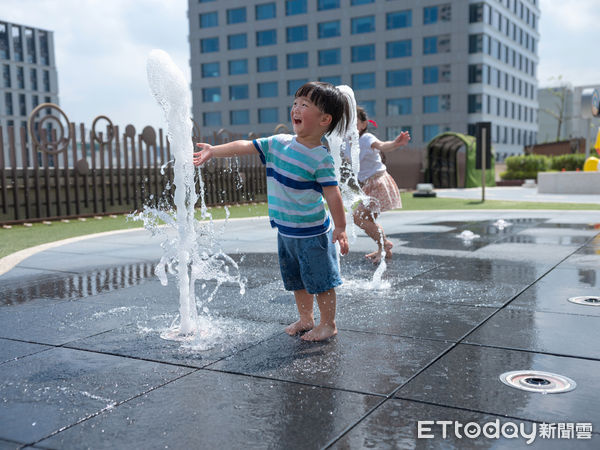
column 369, row 158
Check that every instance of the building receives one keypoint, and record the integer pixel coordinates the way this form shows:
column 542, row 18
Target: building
column 425, row 66
column 567, row 99
column 29, row 75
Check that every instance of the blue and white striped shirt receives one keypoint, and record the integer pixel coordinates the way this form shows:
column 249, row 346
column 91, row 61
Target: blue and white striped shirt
column 296, row 175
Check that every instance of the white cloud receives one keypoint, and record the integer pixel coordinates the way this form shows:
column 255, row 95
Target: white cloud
column 101, row 48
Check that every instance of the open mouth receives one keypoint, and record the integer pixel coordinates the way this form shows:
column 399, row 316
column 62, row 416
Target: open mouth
column 296, row 121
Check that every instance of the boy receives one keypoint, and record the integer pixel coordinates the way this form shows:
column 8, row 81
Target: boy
column 300, row 174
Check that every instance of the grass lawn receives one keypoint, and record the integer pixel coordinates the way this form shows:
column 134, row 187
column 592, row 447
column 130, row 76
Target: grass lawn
column 20, row 237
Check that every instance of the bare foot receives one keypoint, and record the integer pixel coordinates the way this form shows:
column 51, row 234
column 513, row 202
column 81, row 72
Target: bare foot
column 375, row 257
column 320, row 332
column 299, row 326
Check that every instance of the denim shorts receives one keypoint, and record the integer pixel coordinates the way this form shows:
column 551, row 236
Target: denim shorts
column 308, row 263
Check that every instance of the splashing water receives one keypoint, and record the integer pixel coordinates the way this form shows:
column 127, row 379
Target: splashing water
column 352, row 194
column 184, row 256
column 501, row 224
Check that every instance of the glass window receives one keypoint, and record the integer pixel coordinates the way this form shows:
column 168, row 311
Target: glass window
column 330, row 57
column 44, row 48
column 475, row 73
column 237, row 41
column 431, row 75
column 211, row 119
column 335, row 80
column 363, row 53
column 238, row 66
column 266, row 11
column 33, row 79
column 8, row 103
column 268, row 89
column 474, row 103
column 327, row 4
column 294, row 85
column 238, row 92
column 22, row 105
column 267, row 115
column 430, row 15
column 361, row 2
column 266, row 63
column 17, row 42
column 236, row 15
column 431, row 104
column 430, row 45
column 369, row 107
column 475, row 43
column 20, row 78
column 398, row 19
column 398, row 49
column 399, row 106
column 210, row 19
column 293, row 7
column 296, row 34
column 297, row 60
column 402, row 77
column 328, row 29
column 209, row 45
column 266, row 37
column 476, row 12
column 430, row 131
column 30, row 46
column 6, row 76
column 363, row 81
column 211, row 95
column 239, row 117
column 360, row 25
column 210, row 70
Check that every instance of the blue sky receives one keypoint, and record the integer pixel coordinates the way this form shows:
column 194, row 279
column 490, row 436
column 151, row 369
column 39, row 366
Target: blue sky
column 101, row 49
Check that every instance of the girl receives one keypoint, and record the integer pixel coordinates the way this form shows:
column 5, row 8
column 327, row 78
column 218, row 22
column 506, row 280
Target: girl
column 377, row 183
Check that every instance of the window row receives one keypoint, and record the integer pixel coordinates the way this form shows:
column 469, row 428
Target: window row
column 358, row 53
column 508, row 135
column 482, row 43
column 482, row 73
column 18, row 106
column 519, row 9
column 489, row 104
column 24, row 47
column 19, row 78
column 481, row 12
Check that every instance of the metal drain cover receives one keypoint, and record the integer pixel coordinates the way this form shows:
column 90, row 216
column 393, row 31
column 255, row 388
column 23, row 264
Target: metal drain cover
column 537, row 381
column 588, row 300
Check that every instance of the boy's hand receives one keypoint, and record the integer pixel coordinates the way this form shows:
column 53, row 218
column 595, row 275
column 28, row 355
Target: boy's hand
column 339, row 235
column 203, row 155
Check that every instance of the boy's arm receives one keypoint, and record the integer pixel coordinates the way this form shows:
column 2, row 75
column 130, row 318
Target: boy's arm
column 336, row 207
column 400, row 141
column 235, row 148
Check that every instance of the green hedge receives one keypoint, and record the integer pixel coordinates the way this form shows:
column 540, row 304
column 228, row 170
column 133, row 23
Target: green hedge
column 523, row 167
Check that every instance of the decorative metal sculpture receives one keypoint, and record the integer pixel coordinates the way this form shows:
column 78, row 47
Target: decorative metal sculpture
column 49, row 146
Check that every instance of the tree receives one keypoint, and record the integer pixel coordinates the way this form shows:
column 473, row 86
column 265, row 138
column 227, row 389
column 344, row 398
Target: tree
column 559, row 109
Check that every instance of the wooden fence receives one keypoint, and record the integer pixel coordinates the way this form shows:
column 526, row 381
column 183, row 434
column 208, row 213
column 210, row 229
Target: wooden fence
column 53, row 171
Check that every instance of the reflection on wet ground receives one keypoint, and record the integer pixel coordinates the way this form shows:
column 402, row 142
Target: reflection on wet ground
column 84, row 364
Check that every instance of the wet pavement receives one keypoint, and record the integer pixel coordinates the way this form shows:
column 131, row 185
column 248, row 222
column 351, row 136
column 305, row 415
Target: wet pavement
column 83, row 364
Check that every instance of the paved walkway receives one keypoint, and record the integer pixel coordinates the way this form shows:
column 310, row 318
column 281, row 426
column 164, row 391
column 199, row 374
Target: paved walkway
column 517, row 194
column 83, row 364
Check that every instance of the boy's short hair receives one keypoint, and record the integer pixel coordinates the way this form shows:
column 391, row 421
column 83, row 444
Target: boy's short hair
column 329, row 100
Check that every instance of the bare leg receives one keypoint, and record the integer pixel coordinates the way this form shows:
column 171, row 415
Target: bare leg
column 326, row 327
column 366, row 221
column 304, row 302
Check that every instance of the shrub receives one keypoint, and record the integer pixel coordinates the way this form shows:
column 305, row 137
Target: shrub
column 570, row 162
column 521, row 167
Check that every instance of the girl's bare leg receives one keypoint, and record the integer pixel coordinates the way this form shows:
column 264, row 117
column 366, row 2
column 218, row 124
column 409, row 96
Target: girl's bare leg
column 304, row 302
column 366, row 221
column 326, row 327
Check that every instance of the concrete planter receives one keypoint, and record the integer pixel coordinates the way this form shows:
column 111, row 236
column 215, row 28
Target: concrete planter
column 569, row 183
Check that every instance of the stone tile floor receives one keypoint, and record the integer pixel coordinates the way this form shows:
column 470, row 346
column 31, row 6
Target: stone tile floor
column 82, row 363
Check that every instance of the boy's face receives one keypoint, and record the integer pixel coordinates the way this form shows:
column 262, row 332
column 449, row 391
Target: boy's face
column 307, row 118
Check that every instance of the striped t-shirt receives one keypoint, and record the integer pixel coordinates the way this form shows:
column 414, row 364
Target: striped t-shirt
column 295, row 177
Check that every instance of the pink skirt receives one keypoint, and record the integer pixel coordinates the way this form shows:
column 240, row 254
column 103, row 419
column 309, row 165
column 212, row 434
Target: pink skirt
column 384, row 189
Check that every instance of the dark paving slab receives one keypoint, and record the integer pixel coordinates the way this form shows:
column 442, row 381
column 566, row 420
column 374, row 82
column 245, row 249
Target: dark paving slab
column 45, row 392
column 8, row 445
column 395, row 425
column 11, row 350
column 468, row 377
column 551, row 293
column 587, row 257
column 384, row 362
column 78, row 263
column 538, row 331
column 208, row 409
column 19, row 274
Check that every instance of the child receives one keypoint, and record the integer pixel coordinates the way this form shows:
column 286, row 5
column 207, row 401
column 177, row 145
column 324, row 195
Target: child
column 300, row 173
column 376, row 183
